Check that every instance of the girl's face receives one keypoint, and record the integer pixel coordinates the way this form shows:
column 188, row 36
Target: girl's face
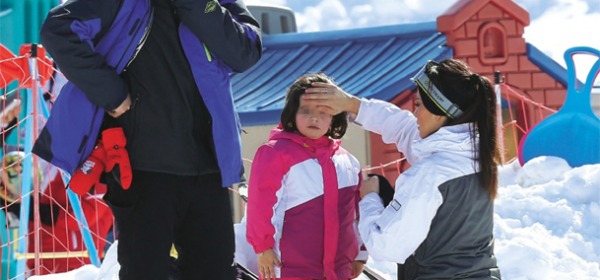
column 311, row 121
column 428, row 123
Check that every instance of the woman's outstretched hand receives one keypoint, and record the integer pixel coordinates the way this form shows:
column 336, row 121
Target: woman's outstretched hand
column 331, row 99
column 266, row 264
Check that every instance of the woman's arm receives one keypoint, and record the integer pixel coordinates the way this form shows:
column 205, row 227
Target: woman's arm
column 395, row 232
column 395, row 125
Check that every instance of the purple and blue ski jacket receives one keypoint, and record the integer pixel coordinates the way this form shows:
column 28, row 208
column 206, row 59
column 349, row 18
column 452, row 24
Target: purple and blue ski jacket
column 99, row 38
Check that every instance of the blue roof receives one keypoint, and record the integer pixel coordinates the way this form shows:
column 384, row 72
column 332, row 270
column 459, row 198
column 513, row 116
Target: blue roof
column 368, row 62
column 547, row 64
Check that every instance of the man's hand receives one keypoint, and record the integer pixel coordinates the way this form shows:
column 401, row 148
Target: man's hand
column 124, row 107
column 266, row 262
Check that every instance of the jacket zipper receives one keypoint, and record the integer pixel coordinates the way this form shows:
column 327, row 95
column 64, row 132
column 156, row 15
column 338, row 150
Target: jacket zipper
column 142, row 40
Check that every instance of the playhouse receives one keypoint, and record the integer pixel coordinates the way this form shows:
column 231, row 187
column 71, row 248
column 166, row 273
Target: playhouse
column 378, row 62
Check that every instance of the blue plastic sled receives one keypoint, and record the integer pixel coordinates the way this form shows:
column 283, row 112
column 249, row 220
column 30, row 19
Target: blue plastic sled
column 572, row 133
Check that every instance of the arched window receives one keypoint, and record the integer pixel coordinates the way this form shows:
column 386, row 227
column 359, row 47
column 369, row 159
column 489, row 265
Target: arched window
column 492, row 44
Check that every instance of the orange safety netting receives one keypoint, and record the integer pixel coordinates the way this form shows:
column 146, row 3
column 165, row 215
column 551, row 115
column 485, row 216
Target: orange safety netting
column 53, row 242
column 17, row 67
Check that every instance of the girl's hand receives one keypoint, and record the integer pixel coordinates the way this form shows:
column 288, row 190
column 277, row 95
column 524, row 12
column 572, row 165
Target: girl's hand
column 357, row 268
column 266, row 262
column 369, row 185
column 331, row 98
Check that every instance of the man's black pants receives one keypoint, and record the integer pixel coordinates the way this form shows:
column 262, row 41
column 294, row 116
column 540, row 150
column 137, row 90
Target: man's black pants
column 158, row 210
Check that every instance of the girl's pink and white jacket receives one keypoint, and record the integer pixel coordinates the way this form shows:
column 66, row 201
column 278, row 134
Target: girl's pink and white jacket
column 303, row 196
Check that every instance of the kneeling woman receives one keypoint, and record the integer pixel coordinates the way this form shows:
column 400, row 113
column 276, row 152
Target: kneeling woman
column 440, row 223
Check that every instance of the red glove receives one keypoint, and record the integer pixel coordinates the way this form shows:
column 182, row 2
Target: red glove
column 114, row 142
column 89, row 173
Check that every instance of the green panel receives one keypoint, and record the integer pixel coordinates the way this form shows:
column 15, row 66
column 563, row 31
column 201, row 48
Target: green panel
column 12, row 24
column 8, row 233
column 20, row 21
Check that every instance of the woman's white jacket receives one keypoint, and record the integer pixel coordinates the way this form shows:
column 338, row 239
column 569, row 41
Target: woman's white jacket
column 438, row 201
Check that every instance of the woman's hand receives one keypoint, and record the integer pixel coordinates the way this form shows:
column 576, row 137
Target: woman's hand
column 357, row 268
column 266, row 262
column 369, row 185
column 331, row 99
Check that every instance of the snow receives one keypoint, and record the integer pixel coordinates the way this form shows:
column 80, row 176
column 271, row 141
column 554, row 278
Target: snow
column 547, row 220
column 547, row 225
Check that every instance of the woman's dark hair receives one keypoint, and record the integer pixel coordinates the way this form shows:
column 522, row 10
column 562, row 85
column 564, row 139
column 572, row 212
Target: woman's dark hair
column 475, row 96
column 339, row 123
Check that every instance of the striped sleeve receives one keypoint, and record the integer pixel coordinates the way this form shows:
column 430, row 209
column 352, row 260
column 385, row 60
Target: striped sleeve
column 265, row 180
column 227, row 28
column 68, row 34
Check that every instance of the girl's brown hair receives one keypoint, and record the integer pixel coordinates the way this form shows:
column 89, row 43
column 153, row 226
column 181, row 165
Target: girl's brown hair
column 339, row 122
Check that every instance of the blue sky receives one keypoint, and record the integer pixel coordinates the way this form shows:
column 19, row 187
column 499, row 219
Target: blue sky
column 555, row 25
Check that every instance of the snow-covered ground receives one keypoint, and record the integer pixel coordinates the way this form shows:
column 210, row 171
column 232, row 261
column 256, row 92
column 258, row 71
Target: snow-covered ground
column 547, row 225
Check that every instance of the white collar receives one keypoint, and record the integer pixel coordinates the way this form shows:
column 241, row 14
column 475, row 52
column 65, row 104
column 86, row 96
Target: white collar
column 454, row 139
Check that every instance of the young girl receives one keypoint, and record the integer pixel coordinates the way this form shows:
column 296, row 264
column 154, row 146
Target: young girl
column 303, row 193
column 439, row 224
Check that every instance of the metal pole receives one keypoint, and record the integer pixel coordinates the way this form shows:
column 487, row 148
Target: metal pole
column 34, row 134
column 499, row 122
column 29, row 176
column 86, row 234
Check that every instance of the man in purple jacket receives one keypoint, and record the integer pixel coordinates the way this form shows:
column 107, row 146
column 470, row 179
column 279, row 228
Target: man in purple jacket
column 172, row 97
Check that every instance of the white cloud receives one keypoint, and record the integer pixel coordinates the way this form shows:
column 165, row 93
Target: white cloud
column 327, row 15
column 562, row 26
column 361, row 15
column 266, row 2
column 556, row 25
column 367, row 13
